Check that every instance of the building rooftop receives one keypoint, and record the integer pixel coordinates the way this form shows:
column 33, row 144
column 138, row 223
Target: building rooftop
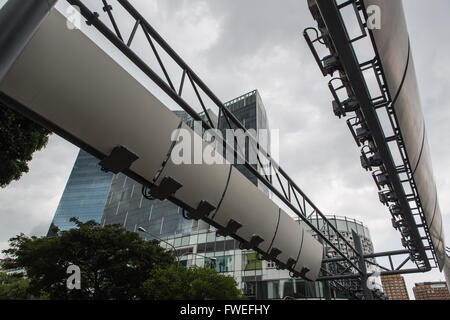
column 431, row 283
column 245, row 95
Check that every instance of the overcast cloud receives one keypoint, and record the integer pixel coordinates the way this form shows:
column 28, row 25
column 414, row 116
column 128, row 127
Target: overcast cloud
column 237, row 46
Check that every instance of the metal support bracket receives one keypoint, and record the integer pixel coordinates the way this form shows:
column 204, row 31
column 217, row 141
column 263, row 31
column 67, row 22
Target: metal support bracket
column 274, row 253
column 253, row 243
column 303, row 272
column 118, row 160
column 203, row 210
column 230, row 229
column 166, row 188
column 290, row 263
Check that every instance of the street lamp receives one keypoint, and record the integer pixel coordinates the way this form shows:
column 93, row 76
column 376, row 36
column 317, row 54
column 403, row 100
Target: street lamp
column 174, row 250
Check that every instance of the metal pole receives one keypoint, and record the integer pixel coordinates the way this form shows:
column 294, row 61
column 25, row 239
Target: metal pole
column 362, row 266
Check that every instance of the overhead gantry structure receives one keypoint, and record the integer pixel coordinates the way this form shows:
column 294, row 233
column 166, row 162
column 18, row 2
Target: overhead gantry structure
column 394, row 147
column 61, row 79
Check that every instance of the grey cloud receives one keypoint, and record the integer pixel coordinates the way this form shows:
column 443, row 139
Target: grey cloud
column 28, row 205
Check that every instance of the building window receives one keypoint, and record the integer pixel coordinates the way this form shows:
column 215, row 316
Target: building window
column 225, row 264
column 252, row 261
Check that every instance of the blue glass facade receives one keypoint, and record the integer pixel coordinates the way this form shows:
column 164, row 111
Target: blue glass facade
column 126, row 206
column 250, row 111
column 85, row 193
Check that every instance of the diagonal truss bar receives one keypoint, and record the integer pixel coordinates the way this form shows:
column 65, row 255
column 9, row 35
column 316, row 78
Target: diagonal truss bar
column 108, row 9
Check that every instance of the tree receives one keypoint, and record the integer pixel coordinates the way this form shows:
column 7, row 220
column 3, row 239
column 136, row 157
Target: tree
column 179, row 283
column 13, row 287
column 113, row 262
column 19, row 139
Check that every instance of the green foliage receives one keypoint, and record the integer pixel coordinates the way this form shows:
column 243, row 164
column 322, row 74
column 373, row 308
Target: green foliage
column 13, row 287
column 113, row 262
column 178, row 283
column 19, row 139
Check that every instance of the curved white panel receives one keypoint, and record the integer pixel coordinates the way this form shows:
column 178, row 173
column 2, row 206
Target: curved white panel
column 409, row 115
column 436, row 230
column 425, row 183
column 288, row 238
column 440, row 251
column 447, row 271
column 310, row 257
column 200, row 181
column 436, row 227
column 438, row 214
column 67, row 79
column 246, row 204
column 392, row 41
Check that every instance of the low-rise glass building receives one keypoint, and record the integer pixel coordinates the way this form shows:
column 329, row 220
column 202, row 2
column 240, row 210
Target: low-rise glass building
column 259, row 279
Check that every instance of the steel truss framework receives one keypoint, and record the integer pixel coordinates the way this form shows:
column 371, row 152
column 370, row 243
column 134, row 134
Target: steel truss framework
column 344, row 266
column 369, row 134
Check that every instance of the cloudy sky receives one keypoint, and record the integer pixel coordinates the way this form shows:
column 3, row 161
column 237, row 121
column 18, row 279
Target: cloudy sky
column 237, row 46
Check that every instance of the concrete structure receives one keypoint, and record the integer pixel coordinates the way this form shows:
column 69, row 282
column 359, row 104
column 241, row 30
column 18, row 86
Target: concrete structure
column 251, row 112
column 394, row 287
column 431, row 291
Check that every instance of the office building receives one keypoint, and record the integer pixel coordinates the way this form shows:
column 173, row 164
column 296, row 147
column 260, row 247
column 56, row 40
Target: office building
column 85, row 193
column 251, row 112
column 431, row 291
column 394, row 287
column 259, row 279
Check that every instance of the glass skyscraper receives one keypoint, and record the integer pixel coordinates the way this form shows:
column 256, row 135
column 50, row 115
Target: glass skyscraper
column 250, row 111
column 85, row 193
column 127, row 206
column 91, row 192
